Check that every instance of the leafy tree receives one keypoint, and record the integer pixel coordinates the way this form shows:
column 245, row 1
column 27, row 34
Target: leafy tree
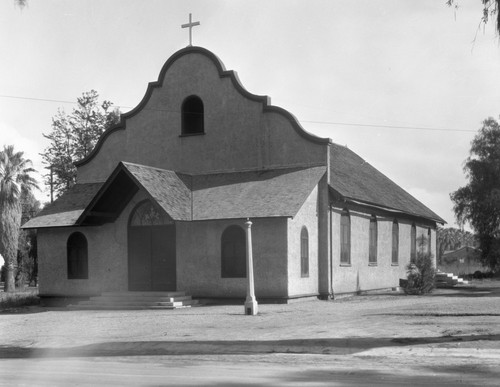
column 15, row 179
column 478, row 203
column 74, row 136
column 490, row 10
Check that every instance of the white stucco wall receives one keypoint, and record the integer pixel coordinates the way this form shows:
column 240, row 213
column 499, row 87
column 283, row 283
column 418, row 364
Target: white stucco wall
column 107, row 257
column 308, row 217
column 199, row 258
column 359, row 275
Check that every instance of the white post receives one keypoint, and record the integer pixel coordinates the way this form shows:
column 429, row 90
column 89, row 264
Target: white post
column 251, row 306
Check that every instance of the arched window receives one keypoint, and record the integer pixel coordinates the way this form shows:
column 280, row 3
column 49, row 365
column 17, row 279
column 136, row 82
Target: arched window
column 372, row 255
column 304, row 252
column 345, row 238
column 192, row 116
column 413, row 243
column 233, row 253
column 395, row 242
column 77, row 256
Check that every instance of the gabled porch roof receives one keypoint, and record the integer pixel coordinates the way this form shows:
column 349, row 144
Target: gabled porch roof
column 233, row 195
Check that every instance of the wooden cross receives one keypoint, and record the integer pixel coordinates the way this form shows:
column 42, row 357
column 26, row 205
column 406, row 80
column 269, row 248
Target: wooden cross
column 190, row 25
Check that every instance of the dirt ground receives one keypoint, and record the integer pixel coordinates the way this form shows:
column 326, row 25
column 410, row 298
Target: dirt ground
column 451, row 337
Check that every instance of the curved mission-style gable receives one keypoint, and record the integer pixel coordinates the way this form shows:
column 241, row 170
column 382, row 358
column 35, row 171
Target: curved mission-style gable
column 241, row 130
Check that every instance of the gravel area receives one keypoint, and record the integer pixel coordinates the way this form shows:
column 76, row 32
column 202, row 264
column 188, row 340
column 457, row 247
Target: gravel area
column 465, row 311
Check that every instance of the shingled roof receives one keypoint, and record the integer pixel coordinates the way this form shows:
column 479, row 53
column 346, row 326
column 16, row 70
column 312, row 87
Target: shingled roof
column 168, row 188
column 234, row 195
column 354, row 179
column 253, row 194
column 66, row 209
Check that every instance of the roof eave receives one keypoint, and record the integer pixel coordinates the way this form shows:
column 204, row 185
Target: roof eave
column 393, row 210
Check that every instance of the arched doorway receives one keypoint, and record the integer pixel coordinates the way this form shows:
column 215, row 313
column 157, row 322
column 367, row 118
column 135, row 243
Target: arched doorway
column 151, row 249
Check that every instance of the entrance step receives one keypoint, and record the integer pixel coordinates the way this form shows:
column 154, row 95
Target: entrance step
column 136, row 300
column 444, row 280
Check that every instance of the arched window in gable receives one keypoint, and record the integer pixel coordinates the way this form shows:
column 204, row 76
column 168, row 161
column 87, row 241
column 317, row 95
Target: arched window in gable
column 77, row 256
column 192, row 116
column 304, row 252
column 345, row 238
column 395, row 242
column 372, row 255
column 147, row 214
column 413, row 243
column 233, row 253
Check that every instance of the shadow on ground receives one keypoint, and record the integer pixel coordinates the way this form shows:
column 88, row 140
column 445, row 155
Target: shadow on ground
column 469, row 291
column 298, row 346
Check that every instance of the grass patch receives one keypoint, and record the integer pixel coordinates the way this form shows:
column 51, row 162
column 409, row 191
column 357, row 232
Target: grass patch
column 19, row 298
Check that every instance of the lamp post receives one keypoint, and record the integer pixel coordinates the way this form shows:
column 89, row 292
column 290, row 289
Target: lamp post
column 251, row 306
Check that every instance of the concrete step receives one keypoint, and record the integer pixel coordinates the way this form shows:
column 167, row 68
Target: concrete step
column 136, row 300
column 138, row 303
column 144, row 294
column 121, row 307
column 449, row 280
column 125, row 298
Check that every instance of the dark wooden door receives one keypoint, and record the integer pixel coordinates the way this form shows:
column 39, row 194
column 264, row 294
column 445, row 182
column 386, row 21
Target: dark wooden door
column 151, row 256
column 163, row 258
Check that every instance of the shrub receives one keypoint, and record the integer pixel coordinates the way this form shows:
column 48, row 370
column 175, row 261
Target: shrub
column 421, row 273
column 19, row 299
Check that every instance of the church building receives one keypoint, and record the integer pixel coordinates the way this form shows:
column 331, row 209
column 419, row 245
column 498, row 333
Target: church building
column 161, row 202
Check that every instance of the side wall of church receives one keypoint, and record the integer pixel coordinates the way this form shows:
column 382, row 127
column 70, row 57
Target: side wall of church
column 360, row 275
column 238, row 133
column 298, row 283
column 199, row 258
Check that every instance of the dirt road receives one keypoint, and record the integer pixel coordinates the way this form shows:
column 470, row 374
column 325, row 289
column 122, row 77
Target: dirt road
column 449, row 338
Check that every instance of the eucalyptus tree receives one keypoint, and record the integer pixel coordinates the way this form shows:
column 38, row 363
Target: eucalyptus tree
column 478, row 202
column 73, row 137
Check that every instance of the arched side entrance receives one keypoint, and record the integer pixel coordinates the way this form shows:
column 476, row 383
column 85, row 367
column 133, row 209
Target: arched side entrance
column 151, row 249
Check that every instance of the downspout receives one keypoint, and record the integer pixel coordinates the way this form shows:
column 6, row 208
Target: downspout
column 330, row 240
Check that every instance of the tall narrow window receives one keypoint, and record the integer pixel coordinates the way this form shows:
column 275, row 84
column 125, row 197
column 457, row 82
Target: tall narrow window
column 372, row 255
column 77, row 256
column 233, row 253
column 192, row 116
column 413, row 243
column 395, row 242
column 304, row 252
column 345, row 238
column 429, row 240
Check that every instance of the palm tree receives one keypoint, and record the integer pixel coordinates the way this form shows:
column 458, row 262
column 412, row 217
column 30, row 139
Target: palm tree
column 14, row 179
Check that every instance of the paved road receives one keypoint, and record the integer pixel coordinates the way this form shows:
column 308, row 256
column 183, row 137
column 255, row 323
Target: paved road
column 253, row 370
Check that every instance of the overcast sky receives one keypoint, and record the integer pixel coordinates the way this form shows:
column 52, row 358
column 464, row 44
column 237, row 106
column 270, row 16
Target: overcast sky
column 398, row 81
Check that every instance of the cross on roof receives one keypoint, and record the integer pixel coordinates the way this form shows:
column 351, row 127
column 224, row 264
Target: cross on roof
column 190, row 25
